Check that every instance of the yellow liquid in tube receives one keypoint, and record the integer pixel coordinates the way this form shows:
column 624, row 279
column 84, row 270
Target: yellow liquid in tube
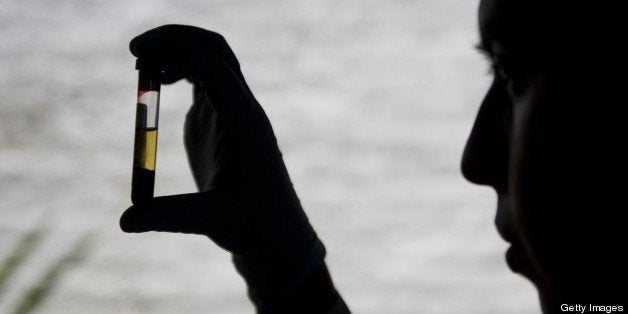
column 148, row 149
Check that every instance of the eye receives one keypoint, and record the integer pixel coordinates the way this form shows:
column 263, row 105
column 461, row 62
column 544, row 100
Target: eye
column 510, row 73
column 509, row 69
column 504, row 69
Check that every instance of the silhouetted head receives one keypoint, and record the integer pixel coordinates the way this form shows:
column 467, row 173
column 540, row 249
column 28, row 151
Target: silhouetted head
column 546, row 138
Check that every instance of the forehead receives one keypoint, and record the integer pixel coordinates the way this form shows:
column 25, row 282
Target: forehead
column 491, row 13
column 498, row 18
column 514, row 24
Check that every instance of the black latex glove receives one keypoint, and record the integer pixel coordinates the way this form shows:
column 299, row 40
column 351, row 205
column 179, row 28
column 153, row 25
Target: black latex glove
column 246, row 203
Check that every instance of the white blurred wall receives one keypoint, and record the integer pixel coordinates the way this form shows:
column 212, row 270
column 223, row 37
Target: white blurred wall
column 371, row 102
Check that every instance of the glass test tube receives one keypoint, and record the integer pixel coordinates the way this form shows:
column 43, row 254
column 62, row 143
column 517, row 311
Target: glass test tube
column 147, row 116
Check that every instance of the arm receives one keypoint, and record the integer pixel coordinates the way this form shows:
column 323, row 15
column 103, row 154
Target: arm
column 245, row 201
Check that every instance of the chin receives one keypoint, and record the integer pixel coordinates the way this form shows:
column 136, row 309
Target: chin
column 547, row 296
column 520, row 262
column 548, row 299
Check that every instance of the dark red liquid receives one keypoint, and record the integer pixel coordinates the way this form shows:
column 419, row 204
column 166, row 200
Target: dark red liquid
column 143, row 185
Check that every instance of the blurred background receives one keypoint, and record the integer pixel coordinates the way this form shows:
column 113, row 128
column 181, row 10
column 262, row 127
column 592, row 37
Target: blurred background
column 371, row 102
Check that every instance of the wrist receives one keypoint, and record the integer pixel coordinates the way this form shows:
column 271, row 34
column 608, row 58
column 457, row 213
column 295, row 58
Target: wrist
column 271, row 280
column 316, row 294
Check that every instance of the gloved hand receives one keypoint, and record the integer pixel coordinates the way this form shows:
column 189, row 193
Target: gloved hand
column 246, row 203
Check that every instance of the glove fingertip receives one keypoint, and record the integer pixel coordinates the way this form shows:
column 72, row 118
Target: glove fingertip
column 133, row 45
column 149, row 45
column 129, row 222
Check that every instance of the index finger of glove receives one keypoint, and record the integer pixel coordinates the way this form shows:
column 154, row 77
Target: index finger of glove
column 191, row 38
column 225, row 87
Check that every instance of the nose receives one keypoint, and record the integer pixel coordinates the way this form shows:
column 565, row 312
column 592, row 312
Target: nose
column 485, row 158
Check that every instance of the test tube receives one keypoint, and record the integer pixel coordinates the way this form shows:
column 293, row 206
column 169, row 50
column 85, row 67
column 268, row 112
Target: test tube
column 146, row 119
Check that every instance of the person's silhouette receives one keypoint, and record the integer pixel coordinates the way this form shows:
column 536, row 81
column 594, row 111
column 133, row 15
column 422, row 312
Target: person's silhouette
column 542, row 141
column 538, row 140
